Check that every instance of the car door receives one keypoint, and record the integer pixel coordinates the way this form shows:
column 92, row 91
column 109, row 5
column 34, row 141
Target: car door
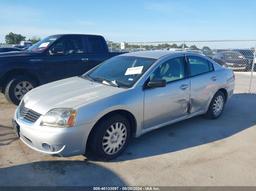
column 164, row 104
column 76, row 54
column 203, row 82
column 65, row 58
column 97, row 50
column 53, row 62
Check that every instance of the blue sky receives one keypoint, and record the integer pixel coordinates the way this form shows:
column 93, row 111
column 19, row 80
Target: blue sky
column 133, row 20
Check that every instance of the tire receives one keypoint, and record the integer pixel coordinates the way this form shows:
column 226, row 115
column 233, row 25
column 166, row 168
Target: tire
column 98, row 141
column 17, row 87
column 216, row 106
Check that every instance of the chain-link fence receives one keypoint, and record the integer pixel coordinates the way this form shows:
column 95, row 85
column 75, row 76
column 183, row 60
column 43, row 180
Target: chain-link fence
column 238, row 55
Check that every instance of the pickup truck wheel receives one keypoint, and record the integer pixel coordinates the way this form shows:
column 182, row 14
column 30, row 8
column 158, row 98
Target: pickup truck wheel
column 17, row 87
column 216, row 106
column 110, row 137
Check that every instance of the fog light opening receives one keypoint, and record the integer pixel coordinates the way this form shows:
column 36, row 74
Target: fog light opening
column 51, row 148
column 46, row 147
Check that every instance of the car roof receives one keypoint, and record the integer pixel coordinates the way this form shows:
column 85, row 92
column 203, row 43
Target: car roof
column 91, row 35
column 156, row 54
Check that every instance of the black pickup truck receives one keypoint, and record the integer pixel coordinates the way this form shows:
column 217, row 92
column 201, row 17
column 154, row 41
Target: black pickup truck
column 53, row 58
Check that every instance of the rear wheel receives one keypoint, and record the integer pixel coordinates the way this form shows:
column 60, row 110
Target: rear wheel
column 110, row 137
column 216, row 106
column 17, row 87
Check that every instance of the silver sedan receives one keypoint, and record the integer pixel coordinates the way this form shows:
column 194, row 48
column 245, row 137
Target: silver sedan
column 125, row 96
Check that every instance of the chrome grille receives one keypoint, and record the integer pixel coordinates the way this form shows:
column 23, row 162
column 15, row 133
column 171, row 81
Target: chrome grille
column 28, row 114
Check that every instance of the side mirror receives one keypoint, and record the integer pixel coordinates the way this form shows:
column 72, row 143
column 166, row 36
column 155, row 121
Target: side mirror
column 156, row 83
column 57, row 50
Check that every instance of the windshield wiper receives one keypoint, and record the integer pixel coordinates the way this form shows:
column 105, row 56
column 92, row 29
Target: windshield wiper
column 112, row 83
column 121, row 84
column 102, row 80
column 87, row 77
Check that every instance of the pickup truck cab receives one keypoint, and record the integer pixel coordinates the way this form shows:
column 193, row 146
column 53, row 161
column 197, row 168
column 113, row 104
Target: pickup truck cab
column 53, row 58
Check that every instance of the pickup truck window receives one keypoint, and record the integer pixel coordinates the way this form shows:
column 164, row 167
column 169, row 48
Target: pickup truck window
column 96, row 44
column 67, row 46
column 74, row 45
column 43, row 44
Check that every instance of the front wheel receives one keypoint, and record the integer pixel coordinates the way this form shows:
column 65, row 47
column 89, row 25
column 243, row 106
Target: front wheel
column 17, row 87
column 216, row 106
column 110, row 137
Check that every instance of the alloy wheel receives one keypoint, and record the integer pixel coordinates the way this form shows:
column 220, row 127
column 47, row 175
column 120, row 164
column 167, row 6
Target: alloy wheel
column 114, row 138
column 218, row 105
column 22, row 88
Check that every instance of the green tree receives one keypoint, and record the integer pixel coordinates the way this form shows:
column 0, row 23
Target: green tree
column 34, row 39
column 194, row 47
column 206, row 49
column 13, row 38
column 174, row 46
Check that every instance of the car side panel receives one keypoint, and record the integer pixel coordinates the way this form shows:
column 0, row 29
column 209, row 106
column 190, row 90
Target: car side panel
column 203, row 87
column 166, row 104
column 130, row 101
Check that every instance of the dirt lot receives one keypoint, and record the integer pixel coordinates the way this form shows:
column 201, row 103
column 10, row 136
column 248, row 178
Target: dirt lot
column 194, row 152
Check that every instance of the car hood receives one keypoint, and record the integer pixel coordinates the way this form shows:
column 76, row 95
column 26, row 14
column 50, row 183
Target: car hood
column 69, row 93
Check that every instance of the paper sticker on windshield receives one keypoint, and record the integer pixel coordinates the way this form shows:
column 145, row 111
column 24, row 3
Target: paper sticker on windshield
column 134, row 70
column 44, row 45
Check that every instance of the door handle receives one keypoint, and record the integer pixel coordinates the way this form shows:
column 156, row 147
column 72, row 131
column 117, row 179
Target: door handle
column 184, row 87
column 84, row 59
column 214, row 78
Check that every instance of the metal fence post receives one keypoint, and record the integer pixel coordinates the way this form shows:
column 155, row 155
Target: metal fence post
column 252, row 70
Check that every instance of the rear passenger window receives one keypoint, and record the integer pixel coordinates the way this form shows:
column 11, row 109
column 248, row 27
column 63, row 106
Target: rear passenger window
column 199, row 65
column 74, row 45
column 95, row 45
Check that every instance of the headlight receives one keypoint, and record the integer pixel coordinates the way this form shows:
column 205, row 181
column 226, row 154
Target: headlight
column 59, row 118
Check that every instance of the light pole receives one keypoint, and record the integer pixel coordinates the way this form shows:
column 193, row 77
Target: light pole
column 252, row 69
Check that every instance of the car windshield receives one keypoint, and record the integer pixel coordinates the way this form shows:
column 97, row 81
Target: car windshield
column 120, row 71
column 43, row 44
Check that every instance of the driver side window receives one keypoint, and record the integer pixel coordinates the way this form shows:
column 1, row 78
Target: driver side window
column 68, row 46
column 58, row 48
column 170, row 71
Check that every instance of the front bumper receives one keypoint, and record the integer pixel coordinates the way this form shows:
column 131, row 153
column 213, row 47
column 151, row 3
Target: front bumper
column 53, row 141
column 235, row 66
